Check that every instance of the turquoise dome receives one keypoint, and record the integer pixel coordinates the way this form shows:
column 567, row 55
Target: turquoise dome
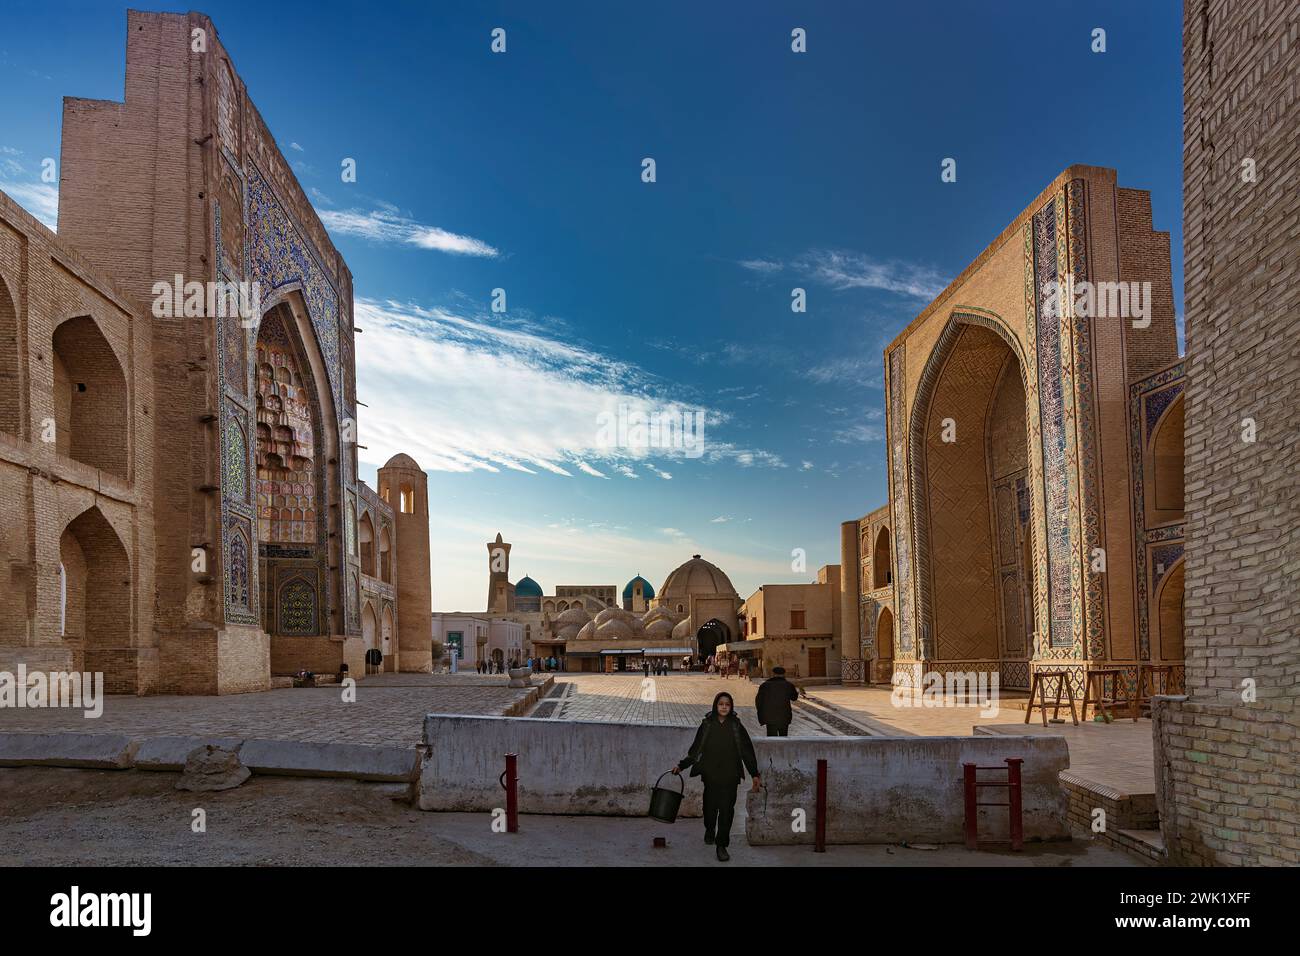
column 646, row 589
column 527, row 587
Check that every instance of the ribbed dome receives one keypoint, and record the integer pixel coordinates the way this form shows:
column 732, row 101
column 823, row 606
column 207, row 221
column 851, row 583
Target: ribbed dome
column 615, row 614
column 527, row 587
column 587, row 632
column 696, row 576
column 660, row 613
column 403, row 461
column 646, row 588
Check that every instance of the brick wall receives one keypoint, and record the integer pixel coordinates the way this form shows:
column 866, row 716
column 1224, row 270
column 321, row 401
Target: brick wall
column 1226, row 768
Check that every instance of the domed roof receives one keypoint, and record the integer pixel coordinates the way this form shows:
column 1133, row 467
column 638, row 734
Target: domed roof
column 660, row 629
column 696, row 576
column 587, row 632
column 614, row 630
column 574, row 615
column 568, row 632
column 646, row 588
column 683, row 629
column 658, row 612
column 615, row 614
column 527, row 587
column 403, row 461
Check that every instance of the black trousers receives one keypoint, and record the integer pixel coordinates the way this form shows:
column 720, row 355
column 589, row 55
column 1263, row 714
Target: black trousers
column 719, row 809
column 778, row 730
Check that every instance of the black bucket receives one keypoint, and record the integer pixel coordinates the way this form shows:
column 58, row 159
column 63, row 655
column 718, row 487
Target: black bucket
column 665, row 803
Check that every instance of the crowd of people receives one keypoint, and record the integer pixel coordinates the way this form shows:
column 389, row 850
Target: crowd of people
column 535, row 664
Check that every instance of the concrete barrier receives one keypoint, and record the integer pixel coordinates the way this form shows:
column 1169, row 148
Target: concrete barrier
column 99, row 751
column 902, row 789
column 304, row 758
column 565, row 766
column 880, row 789
column 170, row 753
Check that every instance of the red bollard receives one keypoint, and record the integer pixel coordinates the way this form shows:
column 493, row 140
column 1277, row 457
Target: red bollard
column 1013, row 802
column 510, row 781
column 972, row 813
column 820, row 845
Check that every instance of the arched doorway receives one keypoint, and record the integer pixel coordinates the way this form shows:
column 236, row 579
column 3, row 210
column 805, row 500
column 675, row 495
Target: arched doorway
column 97, row 596
column 970, row 466
column 710, row 635
column 11, row 412
column 299, row 526
column 386, row 640
column 90, row 407
column 882, row 568
column 369, row 626
column 884, row 663
column 1169, row 618
column 366, row 540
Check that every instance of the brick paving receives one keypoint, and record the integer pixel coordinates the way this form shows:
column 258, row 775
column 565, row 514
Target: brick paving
column 680, row 701
column 388, row 710
column 1119, row 754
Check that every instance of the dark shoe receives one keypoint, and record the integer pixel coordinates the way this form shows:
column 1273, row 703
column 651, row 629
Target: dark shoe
column 723, row 855
column 708, row 839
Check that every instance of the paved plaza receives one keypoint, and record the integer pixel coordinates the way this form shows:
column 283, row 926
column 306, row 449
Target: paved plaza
column 388, row 711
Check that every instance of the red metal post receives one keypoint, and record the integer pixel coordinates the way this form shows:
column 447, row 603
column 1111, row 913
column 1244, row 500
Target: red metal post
column 820, row 845
column 972, row 812
column 512, row 793
column 1013, row 799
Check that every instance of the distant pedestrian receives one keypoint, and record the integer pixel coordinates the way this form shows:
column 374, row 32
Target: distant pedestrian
column 775, row 695
column 721, row 753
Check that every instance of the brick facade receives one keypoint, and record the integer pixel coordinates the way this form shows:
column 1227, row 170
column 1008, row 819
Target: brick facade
column 1227, row 777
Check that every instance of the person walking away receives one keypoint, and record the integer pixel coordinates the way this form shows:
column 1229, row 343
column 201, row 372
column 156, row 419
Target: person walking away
column 721, row 753
column 775, row 695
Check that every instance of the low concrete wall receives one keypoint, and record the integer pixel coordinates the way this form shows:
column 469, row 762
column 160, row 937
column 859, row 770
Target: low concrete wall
column 902, row 789
column 880, row 789
column 565, row 766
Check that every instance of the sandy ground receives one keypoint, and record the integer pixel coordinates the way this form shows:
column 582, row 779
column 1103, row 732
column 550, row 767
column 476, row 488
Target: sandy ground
column 57, row 817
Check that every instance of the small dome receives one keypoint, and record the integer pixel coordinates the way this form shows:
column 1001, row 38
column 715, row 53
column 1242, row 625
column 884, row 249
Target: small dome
column 614, row 614
column 659, row 630
column 574, row 615
column 568, row 632
column 646, row 588
column 527, row 587
column 683, row 629
column 660, row 613
column 614, row 631
column 587, row 632
column 403, row 461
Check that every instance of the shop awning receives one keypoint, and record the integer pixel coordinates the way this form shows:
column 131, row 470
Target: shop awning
column 652, row 651
column 621, row 650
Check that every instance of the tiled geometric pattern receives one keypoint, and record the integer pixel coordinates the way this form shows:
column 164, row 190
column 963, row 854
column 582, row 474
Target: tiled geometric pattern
column 902, row 521
column 1052, row 390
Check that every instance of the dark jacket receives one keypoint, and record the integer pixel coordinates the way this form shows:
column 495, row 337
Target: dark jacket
column 773, row 702
column 721, row 751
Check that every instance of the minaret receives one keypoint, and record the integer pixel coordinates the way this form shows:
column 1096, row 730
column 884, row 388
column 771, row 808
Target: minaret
column 499, row 594
column 403, row 484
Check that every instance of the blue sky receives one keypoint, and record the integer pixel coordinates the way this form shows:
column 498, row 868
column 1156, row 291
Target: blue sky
column 522, row 171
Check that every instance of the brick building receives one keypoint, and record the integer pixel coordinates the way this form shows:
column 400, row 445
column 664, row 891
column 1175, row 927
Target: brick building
column 1227, row 782
column 179, row 486
column 1034, row 421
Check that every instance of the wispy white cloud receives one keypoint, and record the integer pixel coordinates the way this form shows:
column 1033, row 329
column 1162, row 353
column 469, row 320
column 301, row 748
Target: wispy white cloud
column 466, row 392
column 385, row 224
column 854, row 270
column 297, row 147
column 841, row 269
column 39, row 199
